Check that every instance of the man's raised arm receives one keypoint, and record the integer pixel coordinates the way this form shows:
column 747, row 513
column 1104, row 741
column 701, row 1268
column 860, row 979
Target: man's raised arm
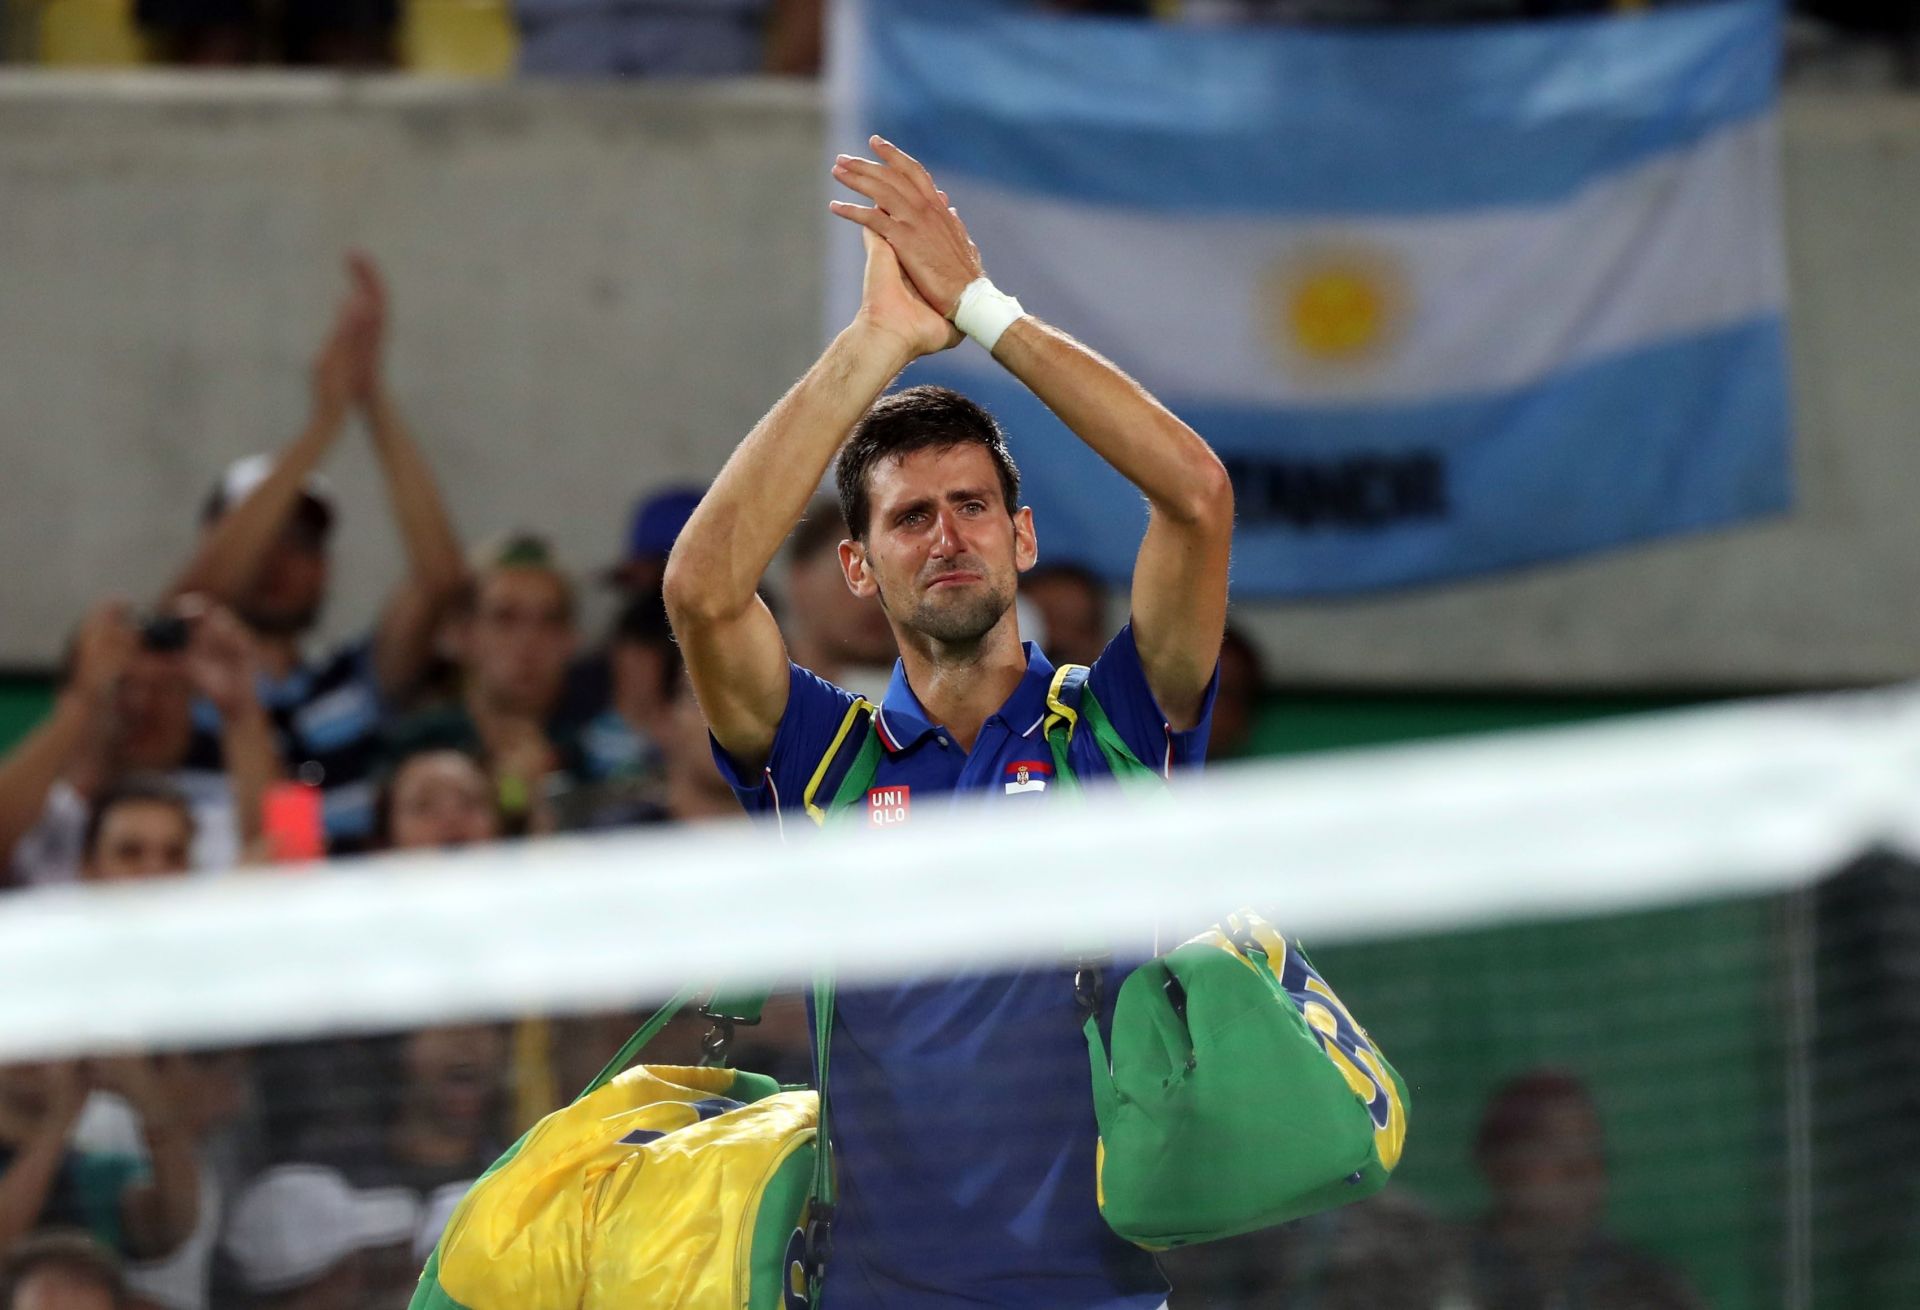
column 733, row 649
column 1180, row 577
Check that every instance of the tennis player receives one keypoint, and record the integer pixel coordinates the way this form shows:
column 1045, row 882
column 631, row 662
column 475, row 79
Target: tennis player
column 963, row 1113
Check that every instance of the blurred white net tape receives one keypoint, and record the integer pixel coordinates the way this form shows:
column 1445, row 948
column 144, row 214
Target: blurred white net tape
column 1682, row 806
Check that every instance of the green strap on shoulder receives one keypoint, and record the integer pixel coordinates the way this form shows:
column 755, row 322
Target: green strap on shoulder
column 1069, row 702
column 858, row 778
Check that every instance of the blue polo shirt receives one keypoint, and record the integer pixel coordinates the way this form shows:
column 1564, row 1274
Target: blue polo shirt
column 963, row 1109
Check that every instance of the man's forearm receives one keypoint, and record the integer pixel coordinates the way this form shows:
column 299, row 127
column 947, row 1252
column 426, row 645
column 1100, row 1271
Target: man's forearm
column 161, row 1216
column 717, row 563
column 1123, row 423
column 253, row 764
column 433, row 547
column 27, row 1181
column 234, row 546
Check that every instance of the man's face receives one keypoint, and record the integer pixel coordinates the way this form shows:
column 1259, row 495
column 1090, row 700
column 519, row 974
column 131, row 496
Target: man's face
column 1555, row 1176
column 53, row 1288
column 441, row 800
column 455, row 1073
column 140, row 839
column 941, row 551
column 522, row 638
column 286, row 595
column 153, row 712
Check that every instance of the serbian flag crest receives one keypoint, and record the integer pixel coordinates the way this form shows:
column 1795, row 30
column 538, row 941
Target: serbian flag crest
column 1028, row 775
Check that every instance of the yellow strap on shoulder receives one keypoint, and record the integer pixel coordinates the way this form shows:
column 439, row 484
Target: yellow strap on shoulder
column 1058, row 711
column 815, row 812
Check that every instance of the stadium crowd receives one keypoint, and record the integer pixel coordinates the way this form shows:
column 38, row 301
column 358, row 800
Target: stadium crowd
column 205, row 736
column 734, row 38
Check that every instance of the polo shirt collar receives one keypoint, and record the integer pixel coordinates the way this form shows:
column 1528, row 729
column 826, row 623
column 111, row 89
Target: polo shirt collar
column 902, row 722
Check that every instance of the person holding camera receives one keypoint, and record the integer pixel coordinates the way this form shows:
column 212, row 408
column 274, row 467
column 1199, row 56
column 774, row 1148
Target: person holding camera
column 124, row 712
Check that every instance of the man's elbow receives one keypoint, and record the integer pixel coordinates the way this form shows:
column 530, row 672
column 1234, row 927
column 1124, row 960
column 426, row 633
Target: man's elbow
column 1207, row 501
column 691, row 596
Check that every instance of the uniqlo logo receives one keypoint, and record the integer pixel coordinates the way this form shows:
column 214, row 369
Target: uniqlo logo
column 887, row 806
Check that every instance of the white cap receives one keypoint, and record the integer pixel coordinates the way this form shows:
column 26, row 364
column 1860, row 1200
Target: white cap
column 297, row 1221
column 245, row 474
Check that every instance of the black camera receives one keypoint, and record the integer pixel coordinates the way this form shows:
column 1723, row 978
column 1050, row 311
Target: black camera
column 163, row 633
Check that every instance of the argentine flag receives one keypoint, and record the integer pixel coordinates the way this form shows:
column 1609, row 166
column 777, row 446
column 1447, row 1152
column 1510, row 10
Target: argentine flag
column 1446, row 300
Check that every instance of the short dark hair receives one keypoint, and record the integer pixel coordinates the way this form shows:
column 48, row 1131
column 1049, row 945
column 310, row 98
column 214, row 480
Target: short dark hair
column 919, row 418
column 134, row 789
column 73, row 1253
column 1518, row 1108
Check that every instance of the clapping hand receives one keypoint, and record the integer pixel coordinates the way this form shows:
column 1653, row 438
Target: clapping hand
column 914, row 217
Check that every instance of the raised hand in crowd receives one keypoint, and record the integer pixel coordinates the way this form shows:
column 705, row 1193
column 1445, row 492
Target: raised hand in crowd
column 39, row 1104
column 160, row 1213
column 265, row 552
column 82, row 718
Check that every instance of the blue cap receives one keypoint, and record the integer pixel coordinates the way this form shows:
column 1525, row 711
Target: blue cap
column 657, row 520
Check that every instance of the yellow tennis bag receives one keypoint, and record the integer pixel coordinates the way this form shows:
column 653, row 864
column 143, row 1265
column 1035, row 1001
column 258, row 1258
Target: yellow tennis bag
column 670, row 1187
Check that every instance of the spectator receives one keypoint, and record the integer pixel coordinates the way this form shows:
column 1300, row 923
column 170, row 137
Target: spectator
column 125, row 710
column 143, row 1206
column 436, row 799
column 828, row 628
column 1542, row 1152
column 302, row 1238
column 61, row 1271
column 622, row 768
column 669, row 38
column 657, row 520
column 141, row 828
column 264, row 551
column 1388, row 1252
column 450, row 1111
column 1236, row 703
column 208, row 1096
column 515, row 645
column 1072, row 601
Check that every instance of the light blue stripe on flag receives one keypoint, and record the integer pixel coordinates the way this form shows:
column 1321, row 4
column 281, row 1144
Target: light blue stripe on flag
column 1446, row 301
column 1270, row 121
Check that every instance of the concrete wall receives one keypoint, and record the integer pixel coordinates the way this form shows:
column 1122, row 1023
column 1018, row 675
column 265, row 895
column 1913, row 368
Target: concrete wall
column 599, row 290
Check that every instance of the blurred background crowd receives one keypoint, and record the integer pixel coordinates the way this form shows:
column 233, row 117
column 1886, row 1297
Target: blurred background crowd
column 733, row 38
column 502, row 692
column 204, row 735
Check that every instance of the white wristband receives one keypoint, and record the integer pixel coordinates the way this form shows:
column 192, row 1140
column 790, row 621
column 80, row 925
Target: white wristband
column 985, row 311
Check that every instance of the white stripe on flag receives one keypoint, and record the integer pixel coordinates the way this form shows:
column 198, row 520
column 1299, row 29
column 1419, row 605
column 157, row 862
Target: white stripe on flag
column 1363, row 310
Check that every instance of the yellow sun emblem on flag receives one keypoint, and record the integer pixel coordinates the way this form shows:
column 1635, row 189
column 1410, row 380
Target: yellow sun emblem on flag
column 1334, row 306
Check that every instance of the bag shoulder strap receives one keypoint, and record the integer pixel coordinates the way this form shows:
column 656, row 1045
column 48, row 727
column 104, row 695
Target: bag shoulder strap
column 1070, row 701
column 848, row 767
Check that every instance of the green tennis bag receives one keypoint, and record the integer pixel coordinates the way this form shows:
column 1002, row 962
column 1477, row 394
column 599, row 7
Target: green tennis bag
column 1239, row 1093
